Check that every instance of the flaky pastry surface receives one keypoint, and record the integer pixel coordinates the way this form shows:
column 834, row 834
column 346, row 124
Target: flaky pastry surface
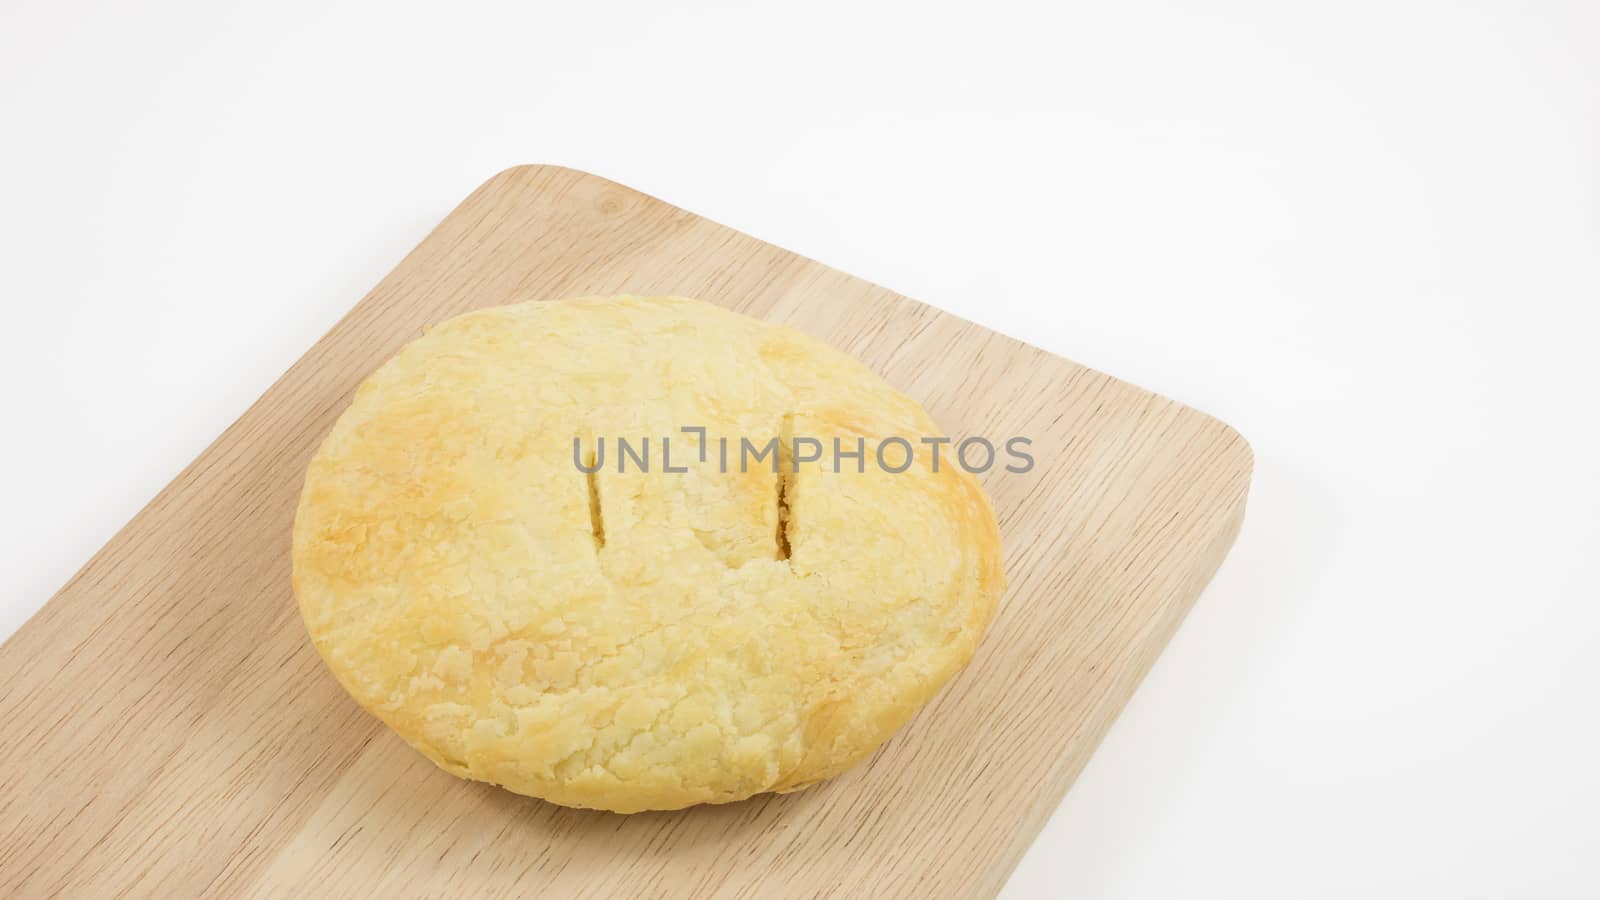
column 638, row 640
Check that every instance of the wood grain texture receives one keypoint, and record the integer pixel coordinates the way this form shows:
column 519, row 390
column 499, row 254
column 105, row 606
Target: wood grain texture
column 169, row 730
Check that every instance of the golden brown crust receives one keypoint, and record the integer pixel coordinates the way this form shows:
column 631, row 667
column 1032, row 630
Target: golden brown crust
column 448, row 570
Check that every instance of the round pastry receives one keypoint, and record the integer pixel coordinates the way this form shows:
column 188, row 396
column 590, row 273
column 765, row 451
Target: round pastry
column 484, row 562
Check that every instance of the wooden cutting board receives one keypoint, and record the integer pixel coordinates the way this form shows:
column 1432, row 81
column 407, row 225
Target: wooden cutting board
column 169, row 730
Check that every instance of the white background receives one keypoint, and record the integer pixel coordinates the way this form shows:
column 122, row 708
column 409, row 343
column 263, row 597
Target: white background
column 1364, row 233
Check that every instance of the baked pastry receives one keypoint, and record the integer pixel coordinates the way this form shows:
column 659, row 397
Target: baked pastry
column 701, row 632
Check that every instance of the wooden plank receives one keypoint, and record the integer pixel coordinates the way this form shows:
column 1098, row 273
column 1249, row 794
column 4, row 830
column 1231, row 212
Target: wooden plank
column 169, row 730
